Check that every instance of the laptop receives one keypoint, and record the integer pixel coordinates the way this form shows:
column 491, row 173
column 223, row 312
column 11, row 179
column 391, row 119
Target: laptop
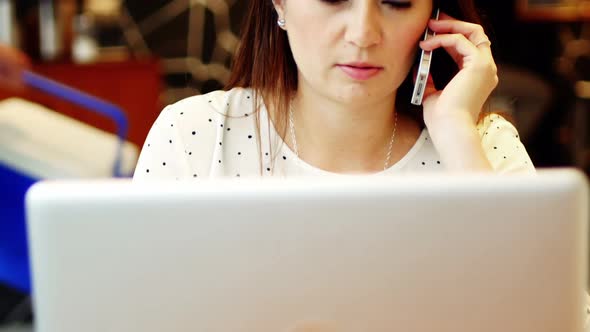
column 413, row 253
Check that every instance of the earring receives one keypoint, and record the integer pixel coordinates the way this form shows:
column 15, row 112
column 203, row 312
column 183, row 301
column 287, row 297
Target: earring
column 282, row 23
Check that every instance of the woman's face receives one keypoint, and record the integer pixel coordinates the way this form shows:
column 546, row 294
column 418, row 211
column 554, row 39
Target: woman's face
column 354, row 50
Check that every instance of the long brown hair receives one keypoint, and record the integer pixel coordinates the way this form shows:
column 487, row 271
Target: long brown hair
column 264, row 62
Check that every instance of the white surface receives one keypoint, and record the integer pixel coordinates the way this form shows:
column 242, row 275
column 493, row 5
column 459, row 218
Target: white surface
column 428, row 253
column 44, row 144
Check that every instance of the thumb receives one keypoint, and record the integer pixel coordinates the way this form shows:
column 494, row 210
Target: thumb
column 430, row 88
column 431, row 99
column 431, row 94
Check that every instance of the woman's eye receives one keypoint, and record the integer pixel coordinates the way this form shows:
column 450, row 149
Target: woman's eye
column 333, row 2
column 393, row 4
column 398, row 4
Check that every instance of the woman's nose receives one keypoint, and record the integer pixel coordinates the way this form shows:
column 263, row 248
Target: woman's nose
column 364, row 27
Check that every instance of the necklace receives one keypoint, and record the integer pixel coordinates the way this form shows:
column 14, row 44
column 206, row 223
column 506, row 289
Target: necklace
column 296, row 149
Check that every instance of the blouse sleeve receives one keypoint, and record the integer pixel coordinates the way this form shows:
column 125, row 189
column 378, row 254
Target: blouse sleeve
column 502, row 146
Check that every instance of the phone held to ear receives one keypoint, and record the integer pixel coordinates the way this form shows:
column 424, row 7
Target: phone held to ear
column 424, row 67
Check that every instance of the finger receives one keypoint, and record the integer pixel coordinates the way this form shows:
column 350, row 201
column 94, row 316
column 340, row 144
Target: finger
column 430, row 88
column 430, row 93
column 457, row 45
column 477, row 37
column 473, row 32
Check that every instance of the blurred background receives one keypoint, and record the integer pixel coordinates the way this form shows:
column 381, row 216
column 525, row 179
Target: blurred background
column 142, row 55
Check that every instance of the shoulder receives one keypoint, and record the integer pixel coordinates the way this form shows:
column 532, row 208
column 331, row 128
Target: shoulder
column 192, row 133
column 502, row 145
column 203, row 115
column 496, row 129
column 216, row 102
column 494, row 122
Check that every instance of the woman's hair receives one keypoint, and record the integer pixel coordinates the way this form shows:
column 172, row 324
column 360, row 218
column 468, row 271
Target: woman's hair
column 264, row 62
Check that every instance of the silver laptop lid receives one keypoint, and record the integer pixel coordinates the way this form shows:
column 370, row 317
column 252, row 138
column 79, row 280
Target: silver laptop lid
column 412, row 253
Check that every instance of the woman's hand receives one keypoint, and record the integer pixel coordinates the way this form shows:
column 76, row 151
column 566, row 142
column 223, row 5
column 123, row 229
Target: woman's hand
column 451, row 114
column 12, row 64
column 465, row 95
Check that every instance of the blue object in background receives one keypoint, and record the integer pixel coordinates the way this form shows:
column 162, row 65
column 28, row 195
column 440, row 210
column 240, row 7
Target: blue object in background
column 14, row 261
column 14, row 258
column 89, row 102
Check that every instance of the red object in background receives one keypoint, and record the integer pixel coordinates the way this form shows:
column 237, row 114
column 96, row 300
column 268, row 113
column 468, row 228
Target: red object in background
column 135, row 86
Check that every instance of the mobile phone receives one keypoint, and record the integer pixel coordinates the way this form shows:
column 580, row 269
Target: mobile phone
column 424, row 66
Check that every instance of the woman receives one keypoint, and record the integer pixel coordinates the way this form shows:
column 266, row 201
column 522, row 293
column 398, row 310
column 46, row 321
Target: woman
column 323, row 87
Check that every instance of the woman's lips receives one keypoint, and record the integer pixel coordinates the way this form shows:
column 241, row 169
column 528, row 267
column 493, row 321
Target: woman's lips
column 360, row 73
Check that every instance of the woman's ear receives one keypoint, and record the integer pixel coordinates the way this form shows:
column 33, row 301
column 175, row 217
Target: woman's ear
column 280, row 8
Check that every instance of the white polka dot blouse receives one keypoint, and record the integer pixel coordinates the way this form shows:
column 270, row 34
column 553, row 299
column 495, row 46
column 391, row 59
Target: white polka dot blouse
column 215, row 135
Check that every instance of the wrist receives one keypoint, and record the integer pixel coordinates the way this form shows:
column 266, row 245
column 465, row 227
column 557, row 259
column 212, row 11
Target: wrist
column 458, row 143
column 442, row 121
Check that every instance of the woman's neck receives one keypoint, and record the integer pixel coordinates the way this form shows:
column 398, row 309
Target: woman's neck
column 342, row 137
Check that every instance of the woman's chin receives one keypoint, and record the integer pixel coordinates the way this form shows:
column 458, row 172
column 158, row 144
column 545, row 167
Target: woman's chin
column 362, row 93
